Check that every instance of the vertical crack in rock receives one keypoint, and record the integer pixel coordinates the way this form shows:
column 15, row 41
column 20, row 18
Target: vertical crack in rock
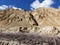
column 34, row 20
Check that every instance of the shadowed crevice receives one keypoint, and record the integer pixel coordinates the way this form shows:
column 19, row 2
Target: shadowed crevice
column 34, row 19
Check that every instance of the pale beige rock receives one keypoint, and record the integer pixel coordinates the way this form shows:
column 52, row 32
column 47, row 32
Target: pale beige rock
column 49, row 30
column 47, row 16
column 40, row 21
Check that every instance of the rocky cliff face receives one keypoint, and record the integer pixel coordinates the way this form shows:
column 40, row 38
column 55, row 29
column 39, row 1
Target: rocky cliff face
column 37, row 27
column 44, row 21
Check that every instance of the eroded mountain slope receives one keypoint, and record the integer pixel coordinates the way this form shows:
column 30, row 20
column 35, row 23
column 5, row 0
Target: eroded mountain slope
column 40, row 21
column 47, row 16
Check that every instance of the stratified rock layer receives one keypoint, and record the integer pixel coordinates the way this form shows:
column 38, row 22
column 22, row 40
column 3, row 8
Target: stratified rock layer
column 41, row 21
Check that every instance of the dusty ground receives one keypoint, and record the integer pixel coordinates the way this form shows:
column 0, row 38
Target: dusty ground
column 28, row 39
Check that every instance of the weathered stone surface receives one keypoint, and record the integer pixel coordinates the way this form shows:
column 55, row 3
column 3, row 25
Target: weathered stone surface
column 47, row 16
column 41, row 21
column 28, row 39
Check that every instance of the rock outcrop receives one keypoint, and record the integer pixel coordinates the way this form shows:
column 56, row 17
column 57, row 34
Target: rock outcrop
column 41, row 21
column 37, row 27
